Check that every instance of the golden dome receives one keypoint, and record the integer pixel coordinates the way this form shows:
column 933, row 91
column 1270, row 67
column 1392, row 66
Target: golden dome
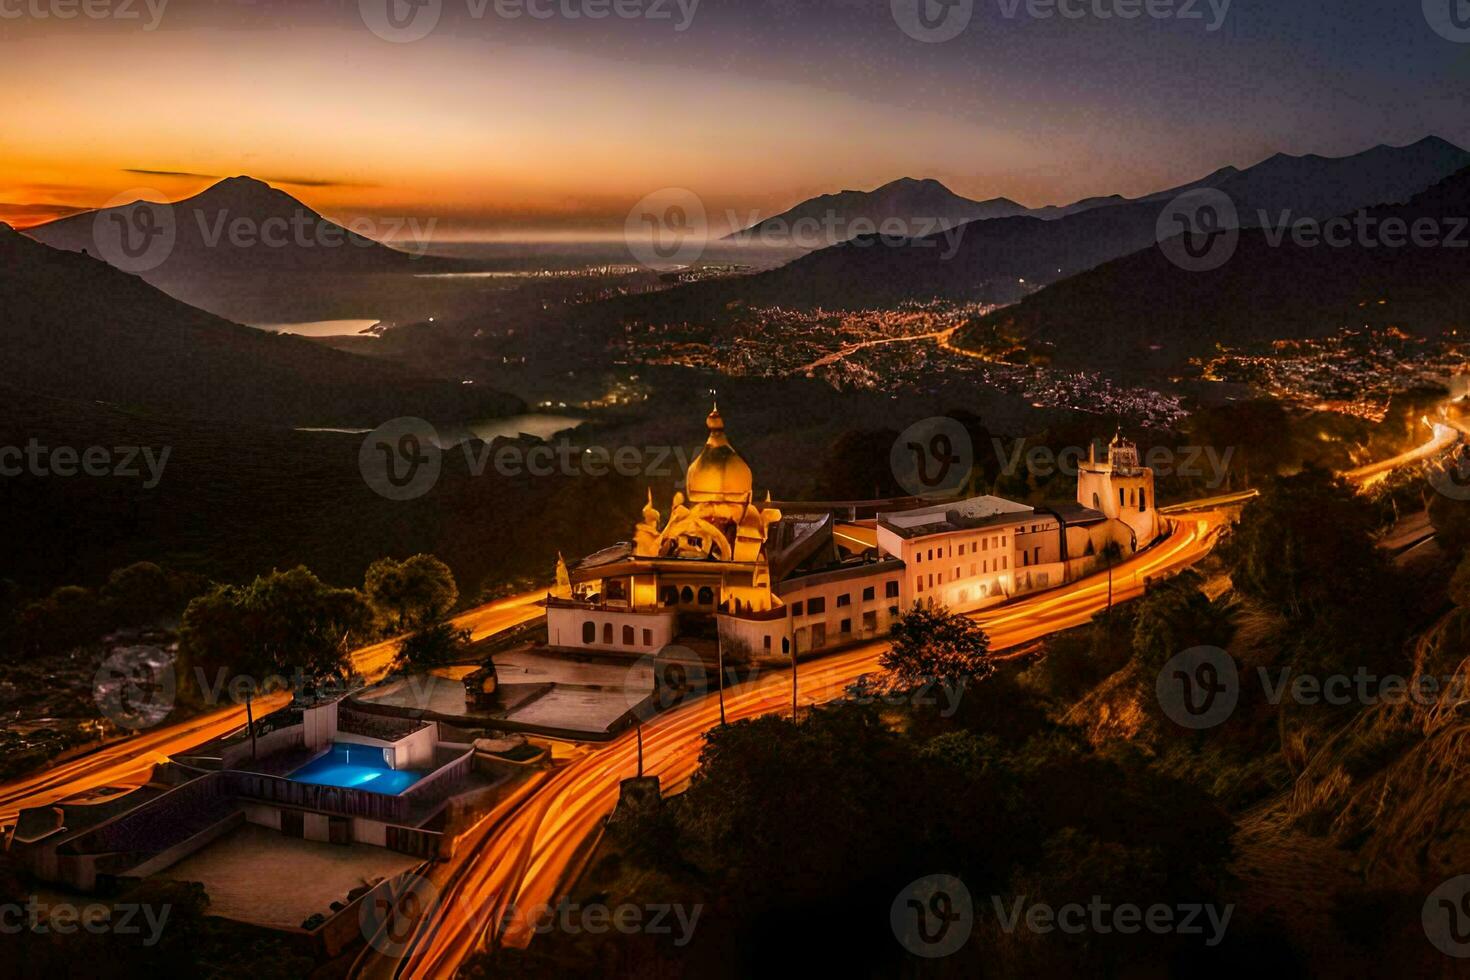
column 718, row 472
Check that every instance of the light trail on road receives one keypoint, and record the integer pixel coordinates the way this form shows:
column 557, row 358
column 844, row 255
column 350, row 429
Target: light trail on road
column 518, row 859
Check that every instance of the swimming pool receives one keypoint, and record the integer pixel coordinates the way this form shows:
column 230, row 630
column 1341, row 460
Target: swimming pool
column 356, row 767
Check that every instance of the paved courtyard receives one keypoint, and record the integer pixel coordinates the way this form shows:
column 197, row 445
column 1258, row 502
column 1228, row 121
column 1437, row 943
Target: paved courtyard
column 257, row 875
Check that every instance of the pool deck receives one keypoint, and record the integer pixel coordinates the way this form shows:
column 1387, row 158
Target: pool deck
column 551, row 692
column 257, row 875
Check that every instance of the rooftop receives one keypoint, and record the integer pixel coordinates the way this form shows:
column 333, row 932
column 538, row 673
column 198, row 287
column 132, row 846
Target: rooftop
column 973, row 512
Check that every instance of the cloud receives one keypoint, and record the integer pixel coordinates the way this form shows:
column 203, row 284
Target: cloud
column 28, row 214
column 168, row 173
column 313, row 182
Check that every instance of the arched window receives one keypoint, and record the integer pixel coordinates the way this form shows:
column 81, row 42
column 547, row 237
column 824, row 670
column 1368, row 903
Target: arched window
column 687, row 595
column 1096, row 503
column 706, row 596
column 589, row 632
column 1121, row 494
column 670, row 596
column 627, row 636
column 607, row 633
column 1141, row 505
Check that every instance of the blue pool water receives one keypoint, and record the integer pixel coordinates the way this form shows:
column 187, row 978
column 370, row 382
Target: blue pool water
column 356, row 767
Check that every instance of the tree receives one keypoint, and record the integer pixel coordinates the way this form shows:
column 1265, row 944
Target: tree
column 69, row 617
column 435, row 645
column 928, row 645
column 1304, row 547
column 1176, row 615
column 410, row 593
column 284, row 622
column 140, row 593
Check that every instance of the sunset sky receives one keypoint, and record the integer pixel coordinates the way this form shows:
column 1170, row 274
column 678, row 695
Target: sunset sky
column 493, row 125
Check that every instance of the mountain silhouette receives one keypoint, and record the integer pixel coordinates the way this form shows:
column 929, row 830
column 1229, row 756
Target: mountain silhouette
column 74, row 327
column 906, row 207
column 1003, row 259
column 1144, row 312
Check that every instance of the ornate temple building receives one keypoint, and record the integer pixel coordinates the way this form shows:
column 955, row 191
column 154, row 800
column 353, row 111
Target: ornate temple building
column 730, row 567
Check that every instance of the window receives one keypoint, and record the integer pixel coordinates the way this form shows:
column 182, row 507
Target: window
column 868, row 594
column 892, row 610
column 687, row 595
column 931, row 554
column 670, row 596
column 766, row 642
column 846, row 626
column 1141, row 506
column 962, row 549
column 785, row 645
column 890, row 590
column 845, row 599
column 1121, row 493
column 706, row 596
column 648, row 638
column 919, row 584
column 627, row 636
column 816, row 606
column 985, row 544
column 607, row 633
column 589, row 632
column 957, row 571
column 797, row 607
column 931, row 581
column 1096, row 504
column 870, row 622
